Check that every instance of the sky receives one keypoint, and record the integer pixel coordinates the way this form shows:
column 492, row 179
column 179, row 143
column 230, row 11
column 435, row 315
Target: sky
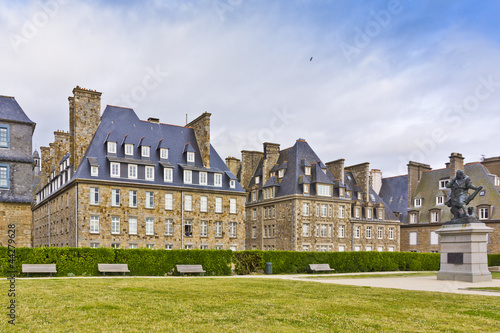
column 383, row 82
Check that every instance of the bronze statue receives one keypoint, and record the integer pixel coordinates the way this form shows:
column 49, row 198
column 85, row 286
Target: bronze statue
column 459, row 196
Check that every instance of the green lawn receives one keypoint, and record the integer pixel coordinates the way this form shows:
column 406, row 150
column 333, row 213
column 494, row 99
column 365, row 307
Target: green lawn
column 239, row 305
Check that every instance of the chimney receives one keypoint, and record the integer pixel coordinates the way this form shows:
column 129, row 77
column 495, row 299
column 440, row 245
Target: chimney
column 415, row 171
column 45, row 164
column 336, row 168
column 271, row 155
column 201, row 126
column 456, row 163
column 362, row 174
column 249, row 162
column 154, row 120
column 376, row 180
column 233, row 164
column 84, row 118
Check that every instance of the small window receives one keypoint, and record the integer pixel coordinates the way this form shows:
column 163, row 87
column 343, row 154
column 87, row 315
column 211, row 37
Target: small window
column 150, row 173
column 115, row 170
column 368, row 232
column 306, row 188
column 435, row 216
column 341, row 231
column 149, row 226
column 232, row 183
column 203, row 229
column 368, row 213
column 129, row 149
column 413, row 218
column 4, row 136
column 132, row 198
column 188, row 229
column 380, row 232
column 115, row 245
column 188, row 177
column 324, row 190
column 357, row 232
column 443, row 183
column 232, row 229
column 132, row 171
column 115, row 197
column 145, row 151
column 169, row 227
column 413, row 238
column 281, row 172
column 203, row 204
column 150, row 246
column 418, row 202
column 94, row 224
column 391, row 233
column 232, row 206
column 149, row 200
column 440, row 200
column 169, row 246
column 132, row 226
column 164, row 153
column 190, row 156
column 115, row 225
column 4, row 176
column 218, row 179
column 257, row 179
column 202, row 178
column 254, row 232
column 324, row 209
column 484, row 213
column 305, row 230
column 305, row 209
column 169, row 201
column 168, row 175
column 94, row 195
column 218, row 231
column 188, row 202
column 434, row 238
column 111, row 147
column 307, row 170
column 341, row 211
column 94, row 171
column 218, row 205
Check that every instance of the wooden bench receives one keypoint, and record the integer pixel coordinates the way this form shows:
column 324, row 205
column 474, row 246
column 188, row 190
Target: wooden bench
column 494, row 268
column 113, row 268
column 320, row 268
column 39, row 268
column 188, row 269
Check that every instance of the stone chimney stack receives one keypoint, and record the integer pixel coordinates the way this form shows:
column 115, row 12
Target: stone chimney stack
column 271, row 155
column 84, row 118
column 456, row 163
column 201, row 126
column 336, row 168
column 249, row 162
column 233, row 164
column 376, row 180
column 362, row 174
column 415, row 171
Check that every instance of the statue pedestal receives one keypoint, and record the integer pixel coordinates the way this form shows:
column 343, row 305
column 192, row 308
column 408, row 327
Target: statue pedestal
column 463, row 252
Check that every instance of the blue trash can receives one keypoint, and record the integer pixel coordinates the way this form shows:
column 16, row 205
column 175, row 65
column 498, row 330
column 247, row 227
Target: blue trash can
column 269, row 268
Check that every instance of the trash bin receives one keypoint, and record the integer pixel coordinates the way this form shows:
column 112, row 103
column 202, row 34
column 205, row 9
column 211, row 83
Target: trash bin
column 269, row 268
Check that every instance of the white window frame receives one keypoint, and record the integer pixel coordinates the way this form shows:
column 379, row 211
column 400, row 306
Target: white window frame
column 368, row 232
column 202, row 178
column 111, row 147
column 114, row 170
column 218, row 205
column 132, row 171
column 324, row 190
column 440, row 200
column 188, row 177
column 305, row 188
column 168, row 175
column 115, row 197
column 164, row 153
column 219, row 228
column 418, row 202
column 484, row 213
column 442, row 184
column 324, row 210
column 4, row 136
column 218, row 179
column 129, row 149
column 413, row 218
column 232, row 183
column 232, row 206
column 132, row 225
column 203, row 204
column 115, row 225
column 94, row 196
column 169, row 201
column 188, row 202
column 323, row 230
column 233, row 229
column 203, row 229
column 149, row 226
column 306, row 229
column 150, row 199
column 357, row 232
column 380, row 232
column 94, row 224
column 145, row 151
column 132, row 198
column 413, row 238
column 307, row 170
column 281, row 173
column 435, row 216
column 341, row 231
column 149, row 173
column 433, row 238
column 190, row 156
column 391, row 233
column 94, row 170
column 305, row 209
column 169, row 227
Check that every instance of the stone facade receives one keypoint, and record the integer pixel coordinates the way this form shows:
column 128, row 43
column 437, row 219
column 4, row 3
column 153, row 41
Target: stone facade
column 201, row 126
column 18, row 214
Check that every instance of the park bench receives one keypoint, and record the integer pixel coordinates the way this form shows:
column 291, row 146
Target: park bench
column 494, row 268
column 113, row 268
column 39, row 268
column 320, row 268
column 188, row 269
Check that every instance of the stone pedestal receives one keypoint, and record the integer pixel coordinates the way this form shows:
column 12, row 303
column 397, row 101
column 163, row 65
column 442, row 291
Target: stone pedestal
column 463, row 252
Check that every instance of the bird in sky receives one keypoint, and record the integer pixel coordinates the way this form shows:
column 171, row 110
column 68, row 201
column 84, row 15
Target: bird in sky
column 311, row 59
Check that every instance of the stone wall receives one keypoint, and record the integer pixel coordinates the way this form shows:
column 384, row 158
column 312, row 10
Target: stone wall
column 18, row 214
column 415, row 171
column 249, row 162
column 336, row 168
column 271, row 155
column 362, row 174
column 201, row 126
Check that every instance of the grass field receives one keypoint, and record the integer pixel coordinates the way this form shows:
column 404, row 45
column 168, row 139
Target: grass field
column 239, row 305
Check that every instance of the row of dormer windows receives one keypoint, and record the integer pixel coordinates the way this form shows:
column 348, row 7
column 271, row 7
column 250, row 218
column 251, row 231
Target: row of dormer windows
column 145, row 151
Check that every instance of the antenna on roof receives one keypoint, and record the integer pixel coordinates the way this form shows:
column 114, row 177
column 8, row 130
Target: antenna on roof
column 186, row 118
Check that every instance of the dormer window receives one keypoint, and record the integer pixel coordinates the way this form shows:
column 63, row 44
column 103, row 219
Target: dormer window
column 497, row 181
column 164, row 153
column 442, row 184
column 4, row 136
column 413, row 218
column 380, row 213
column 232, row 183
column 324, row 171
column 440, row 200
column 94, row 171
column 435, row 216
column 418, row 202
column 145, row 151
column 341, row 191
column 306, row 188
column 324, row 190
column 111, row 147
column 281, row 172
column 368, row 213
column 190, row 156
column 202, row 178
column 360, row 196
column 129, row 149
column 218, row 179
column 257, row 180
column 307, row 170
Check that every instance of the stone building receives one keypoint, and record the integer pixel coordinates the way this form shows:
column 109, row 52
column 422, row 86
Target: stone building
column 16, row 172
column 419, row 197
column 295, row 202
column 118, row 181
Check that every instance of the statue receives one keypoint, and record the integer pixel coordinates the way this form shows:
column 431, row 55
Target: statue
column 460, row 198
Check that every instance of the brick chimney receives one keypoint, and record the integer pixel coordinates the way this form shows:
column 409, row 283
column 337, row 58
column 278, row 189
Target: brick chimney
column 376, row 180
column 84, row 118
column 271, row 155
column 249, row 162
column 415, row 171
column 201, row 126
column 456, row 163
column 233, row 164
column 362, row 174
column 336, row 168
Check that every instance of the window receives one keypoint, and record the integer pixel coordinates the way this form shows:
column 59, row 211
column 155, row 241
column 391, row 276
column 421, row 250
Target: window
column 232, row 229
column 391, row 233
column 324, row 190
column 391, row 248
column 188, row 177
column 380, row 232
column 218, row 179
column 188, row 202
column 218, row 205
column 380, row 248
column 254, row 214
column 111, row 147
column 484, row 213
column 305, row 248
column 115, row 245
column 115, row 197
column 281, row 172
column 190, row 156
column 188, row 229
column 169, row 227
column 341, row 211
column 115, row 225
column 440, row 200
column 169, row 201
column 232, row 183
column 149, row 226
column 341, row 231
column 368, row 213
column 218, row 229
column 204, row 229
column 150, row 172
column 94, row 171
column 306, row 188
column 435, row 216
column 169, row 246
column 413, row 217
column 94, row 224
column 129, row 149
column 330, row 209
column 257, row 179
column 132, row 198
column 203, row 204
column 443, row 183
column 132, row 171
column 168, row 175
column 232, row 206
column 413, row 238
column 323, row 210
column 233, row 247
column 203, row 178
column 132, row 226
column 357, row 248
column 150, row 200
column 203, row 247
column 380, row 213
column 94, row 195
column 418, row 202
column 434, row 238
column 307, row 170
column 317, row 209
column 254, row 196
column 4, row 176
column 94, row 245
column 4, row 136
column 164, row 153
column 357, row 232
column 305, row 229
column 323, row 230
column 357, row 212
column 150, row 246
column 368, row 232
column 145, row 151
column 305, row 209
column 341, row 248
column 497, row 181
column 254, row 232
column 360, row 196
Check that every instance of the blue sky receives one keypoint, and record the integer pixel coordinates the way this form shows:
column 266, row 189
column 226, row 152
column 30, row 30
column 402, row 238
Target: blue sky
column 390, row 81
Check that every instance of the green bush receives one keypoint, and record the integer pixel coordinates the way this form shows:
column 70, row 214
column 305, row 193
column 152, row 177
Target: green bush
column 493, row 259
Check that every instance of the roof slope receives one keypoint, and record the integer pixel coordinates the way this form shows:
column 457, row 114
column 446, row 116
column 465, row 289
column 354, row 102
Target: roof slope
column 394, row 192
column 12, row 111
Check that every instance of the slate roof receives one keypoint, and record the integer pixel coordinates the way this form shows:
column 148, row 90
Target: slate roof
column 10, row 110
column 126, row 127
column 394, row 192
